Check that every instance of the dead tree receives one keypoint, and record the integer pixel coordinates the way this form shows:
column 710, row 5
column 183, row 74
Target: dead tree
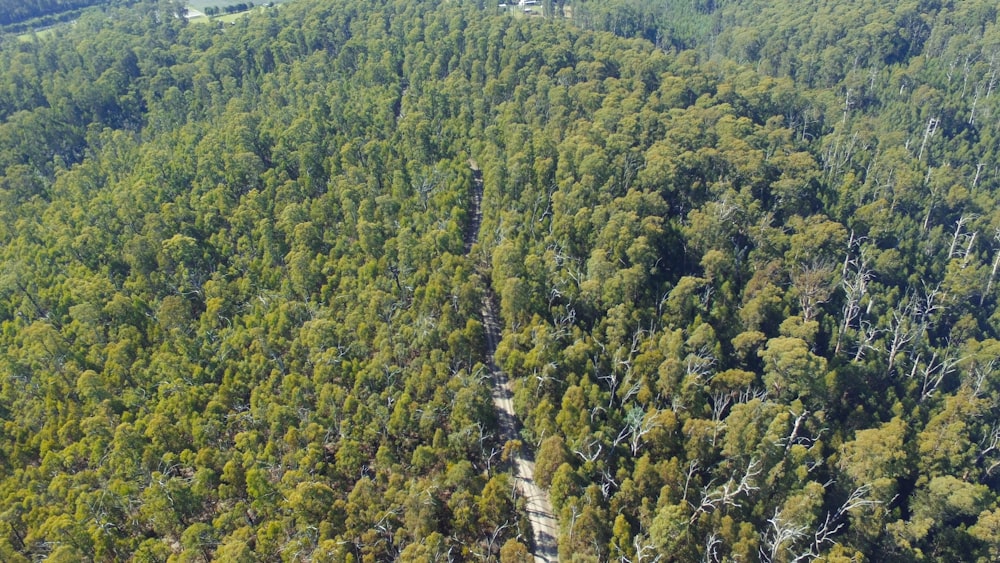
column 855, row 276
column 989, row 445
column 980, row 372
column 727, row 494
column 993, row 271
column 902, row 331
column 814, row 285
column 788, row 537
column 645, row 551
column 781, row 535
column 958, row 234
column 932, row 125
column 934, row 373
column 720, row 401
column 867, row 332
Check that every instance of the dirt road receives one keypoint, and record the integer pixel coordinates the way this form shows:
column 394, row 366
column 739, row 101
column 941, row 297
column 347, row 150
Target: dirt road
column 544, row 527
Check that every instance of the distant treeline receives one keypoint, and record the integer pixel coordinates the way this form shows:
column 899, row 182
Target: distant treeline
column 233, row 9
column 18, row 11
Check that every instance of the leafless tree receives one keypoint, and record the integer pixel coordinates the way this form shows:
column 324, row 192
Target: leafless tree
column 640, row 423
column 932, row 126
column 720, row 401
column 959, row 234
column 693, row 467
column 902, row 331
column 793, row 435
column 993, row 271
column 620, row 374
column 645, row 551
column 699, row 364
column 855, row 276
column 979, row 373
column 926, row 305
column 591, row 454
column 814, row 284
column 490, row 544
column 990, row 445
column 727, row 494
column 975, row 102
column 782, row 534
column 608, row 482
column 867, row 333
column 751, row 393
column 934, row 373
column 712, row 543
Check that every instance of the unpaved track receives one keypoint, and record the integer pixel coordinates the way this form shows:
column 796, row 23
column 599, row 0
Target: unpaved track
column 544, row 527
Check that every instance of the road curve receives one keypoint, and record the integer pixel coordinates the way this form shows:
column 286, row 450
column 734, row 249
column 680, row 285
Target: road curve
column 544, row 527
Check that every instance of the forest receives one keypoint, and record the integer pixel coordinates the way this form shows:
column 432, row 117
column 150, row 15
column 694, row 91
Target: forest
column 25, row 14
column 745, row 257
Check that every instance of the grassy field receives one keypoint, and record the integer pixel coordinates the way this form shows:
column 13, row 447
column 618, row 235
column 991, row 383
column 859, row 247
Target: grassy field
column 230, row 18
column 201, row 5
column 40, row 32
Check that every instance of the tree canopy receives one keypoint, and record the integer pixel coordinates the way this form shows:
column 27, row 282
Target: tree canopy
column 745, row 264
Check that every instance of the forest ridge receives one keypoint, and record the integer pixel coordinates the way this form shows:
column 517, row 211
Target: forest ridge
column 745, row 254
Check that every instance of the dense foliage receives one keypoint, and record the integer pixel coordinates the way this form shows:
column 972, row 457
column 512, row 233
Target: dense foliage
column 750, row 309
column 19, row 14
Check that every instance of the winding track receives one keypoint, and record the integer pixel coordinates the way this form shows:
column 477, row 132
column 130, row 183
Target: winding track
column 543, row 524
